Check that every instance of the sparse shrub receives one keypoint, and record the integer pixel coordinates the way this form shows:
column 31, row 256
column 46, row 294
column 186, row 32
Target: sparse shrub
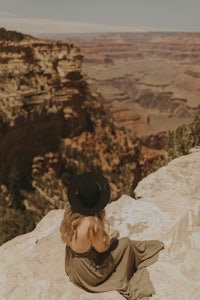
column 180, row 141
column 28, row 55
column 76, row 161
column 195, row 130
column 9, row 35
column 156, row 164
column 14, row 180
column 17, row 180
column 15, row 222
column 23, row 81
column 112, row 126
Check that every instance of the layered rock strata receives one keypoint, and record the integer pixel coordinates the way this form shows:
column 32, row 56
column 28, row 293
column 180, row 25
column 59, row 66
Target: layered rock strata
column 150, row 81
column 52, row 127
column 42, row 95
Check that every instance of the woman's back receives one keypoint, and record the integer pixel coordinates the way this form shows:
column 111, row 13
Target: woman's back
column 80, row 239
column 88, row 232
column 93, row 261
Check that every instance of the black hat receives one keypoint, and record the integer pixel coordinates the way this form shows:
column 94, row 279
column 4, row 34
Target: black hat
column 88, row 193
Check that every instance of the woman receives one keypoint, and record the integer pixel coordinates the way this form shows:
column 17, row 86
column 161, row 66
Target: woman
column 94, row 261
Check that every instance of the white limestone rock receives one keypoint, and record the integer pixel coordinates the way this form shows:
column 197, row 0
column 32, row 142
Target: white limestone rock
column 32, row 265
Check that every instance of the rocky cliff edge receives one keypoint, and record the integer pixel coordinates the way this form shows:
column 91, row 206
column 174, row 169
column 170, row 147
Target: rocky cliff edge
column 167, row 208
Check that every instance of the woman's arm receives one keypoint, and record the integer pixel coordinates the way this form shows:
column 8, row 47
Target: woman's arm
column 100, row 240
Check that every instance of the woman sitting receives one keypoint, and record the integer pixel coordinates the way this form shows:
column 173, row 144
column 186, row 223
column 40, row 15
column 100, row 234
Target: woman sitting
column 94, row 261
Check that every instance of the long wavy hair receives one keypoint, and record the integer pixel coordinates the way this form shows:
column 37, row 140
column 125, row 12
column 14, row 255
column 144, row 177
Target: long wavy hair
column 72, row 220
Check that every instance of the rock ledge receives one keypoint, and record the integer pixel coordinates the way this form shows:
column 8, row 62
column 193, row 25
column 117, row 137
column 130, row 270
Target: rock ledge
column 32, row 265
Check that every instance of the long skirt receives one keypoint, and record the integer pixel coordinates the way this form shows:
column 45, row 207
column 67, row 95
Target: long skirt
column 122, row 267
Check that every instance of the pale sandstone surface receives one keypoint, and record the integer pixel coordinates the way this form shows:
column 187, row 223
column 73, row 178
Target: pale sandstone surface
column 32, row 265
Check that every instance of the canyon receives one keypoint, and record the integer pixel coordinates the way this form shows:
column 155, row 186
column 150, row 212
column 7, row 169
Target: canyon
column 52, row 126
column 94, row 102
column 149, row 80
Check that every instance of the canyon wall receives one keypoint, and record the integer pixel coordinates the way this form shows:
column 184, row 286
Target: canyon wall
column 42, row 96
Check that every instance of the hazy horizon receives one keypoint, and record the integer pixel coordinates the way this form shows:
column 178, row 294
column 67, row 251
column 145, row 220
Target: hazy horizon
column 94, row 16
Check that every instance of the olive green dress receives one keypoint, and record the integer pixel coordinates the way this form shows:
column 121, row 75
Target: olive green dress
column 121, row 268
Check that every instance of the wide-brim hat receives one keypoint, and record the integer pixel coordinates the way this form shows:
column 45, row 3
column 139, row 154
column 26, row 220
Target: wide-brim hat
column 88, row 193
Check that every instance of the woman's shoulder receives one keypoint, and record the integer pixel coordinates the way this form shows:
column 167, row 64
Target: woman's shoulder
column 84, row 226
column 89, row 225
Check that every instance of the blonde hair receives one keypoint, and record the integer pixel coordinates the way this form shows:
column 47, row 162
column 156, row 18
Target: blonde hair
column 72, row 220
